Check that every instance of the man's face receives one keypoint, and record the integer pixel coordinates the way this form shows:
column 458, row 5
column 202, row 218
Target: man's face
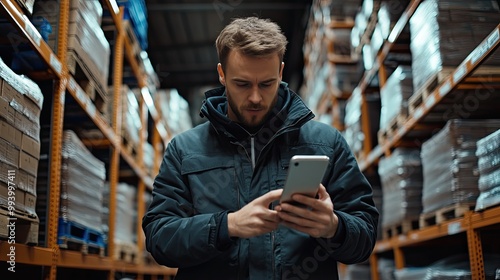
column 251, row 87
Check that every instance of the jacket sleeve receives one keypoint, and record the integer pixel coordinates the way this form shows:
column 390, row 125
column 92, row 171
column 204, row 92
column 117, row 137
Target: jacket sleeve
column 353, row 203
column 175, row 235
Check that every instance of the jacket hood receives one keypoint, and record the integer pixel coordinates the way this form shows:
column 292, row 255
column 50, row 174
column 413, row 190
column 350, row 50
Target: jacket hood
column 290, row 112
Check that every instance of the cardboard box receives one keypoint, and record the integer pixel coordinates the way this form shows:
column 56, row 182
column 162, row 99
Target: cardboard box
column 8, row 153
column 10, row 134
column 31, row 146
column 26, row 181
column 7, row 112
column 30, row 203
column 10, row 93
column 28, row 163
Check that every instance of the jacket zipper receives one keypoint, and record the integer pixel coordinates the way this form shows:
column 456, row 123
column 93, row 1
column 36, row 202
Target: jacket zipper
column 252, row 151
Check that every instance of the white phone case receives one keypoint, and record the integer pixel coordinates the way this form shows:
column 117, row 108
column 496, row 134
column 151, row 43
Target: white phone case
column 304, row 175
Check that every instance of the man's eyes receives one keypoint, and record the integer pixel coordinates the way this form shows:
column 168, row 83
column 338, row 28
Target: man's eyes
column 264, row 85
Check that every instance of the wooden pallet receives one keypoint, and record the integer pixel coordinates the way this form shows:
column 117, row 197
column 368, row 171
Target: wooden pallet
column 400, row 228
column 18, row 226
column 126, row 252
column 445, row 214
column 480, row 75
column 85, row 80
column 392, row 127
column 427, row 88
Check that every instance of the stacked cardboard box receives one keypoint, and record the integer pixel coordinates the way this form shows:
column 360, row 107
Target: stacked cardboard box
column 394, row 96
column 82, row 184
column 488, row 153
column 21, row 102
column 87, row 44
column 444, row 32
column 401, row 178
column 450, row 163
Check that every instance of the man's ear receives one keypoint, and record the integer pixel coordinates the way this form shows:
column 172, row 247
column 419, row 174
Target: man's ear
column 222, row 78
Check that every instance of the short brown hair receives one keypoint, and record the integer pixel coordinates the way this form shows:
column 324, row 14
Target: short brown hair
column 252, row 36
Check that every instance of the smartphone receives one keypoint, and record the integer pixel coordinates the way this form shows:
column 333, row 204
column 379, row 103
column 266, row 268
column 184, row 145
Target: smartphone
column 304, row 175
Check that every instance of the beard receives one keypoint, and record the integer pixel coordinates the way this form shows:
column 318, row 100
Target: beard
column 251, row 122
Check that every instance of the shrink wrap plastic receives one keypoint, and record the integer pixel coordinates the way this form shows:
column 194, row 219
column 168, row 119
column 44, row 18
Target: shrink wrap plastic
column 444, row 33
column 82, row 183
column 488, row 153
column 449, row 163
column 401, row 179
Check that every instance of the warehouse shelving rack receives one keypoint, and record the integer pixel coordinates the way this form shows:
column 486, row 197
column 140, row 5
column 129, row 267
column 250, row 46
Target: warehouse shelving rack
column 51, row 256
column 473, row 229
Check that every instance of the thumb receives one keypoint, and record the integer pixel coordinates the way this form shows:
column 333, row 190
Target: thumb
column 322, row 193
column 269, row 197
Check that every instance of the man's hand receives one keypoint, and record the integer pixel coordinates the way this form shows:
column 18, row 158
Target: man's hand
column 317, row 217
column 255, row 218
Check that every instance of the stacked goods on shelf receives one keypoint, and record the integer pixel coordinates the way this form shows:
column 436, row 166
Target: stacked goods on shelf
column 149, row 157
column 82, row 187
column 488, row 153
column 20, row 107
column 175, row 110
column 88, row 55
column 136, row 12
column 456, row 266
column 394, row 97
column 354, row 134
column 401, row 178
column 125, row 235
column 443, row 34
column 131, row 120
column 449, row 164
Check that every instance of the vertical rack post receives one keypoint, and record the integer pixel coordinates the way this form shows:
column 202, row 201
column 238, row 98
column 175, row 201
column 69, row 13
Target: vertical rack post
column 475, row 249
column 116, row 125
column 56, row 140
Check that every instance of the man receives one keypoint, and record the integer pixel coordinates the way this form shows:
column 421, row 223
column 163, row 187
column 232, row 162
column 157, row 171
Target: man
column 215, row 211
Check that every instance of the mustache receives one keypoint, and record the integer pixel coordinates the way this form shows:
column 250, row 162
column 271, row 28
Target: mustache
column 254, row 107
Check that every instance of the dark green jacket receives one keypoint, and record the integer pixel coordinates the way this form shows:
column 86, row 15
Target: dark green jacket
column 208, row 171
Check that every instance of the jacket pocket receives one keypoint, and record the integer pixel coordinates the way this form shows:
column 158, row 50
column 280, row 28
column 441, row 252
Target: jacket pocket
column 211, row 181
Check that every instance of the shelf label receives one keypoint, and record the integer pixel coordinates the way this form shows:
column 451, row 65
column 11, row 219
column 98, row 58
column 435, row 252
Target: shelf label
column 91, row 109
column 401, row 131
column 32, row 31
column 81, row 96
column 56, row 65
column 445, row 88
column 459, row 73
column 454, row 228
column 479, row 52
column 493, row 38
column 418, row 113
column 430, row 101
column 72, row 85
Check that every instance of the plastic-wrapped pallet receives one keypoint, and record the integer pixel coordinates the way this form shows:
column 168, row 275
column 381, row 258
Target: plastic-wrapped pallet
column 450, row 163
column 401, row 178
column 85, row 36
column 82, row 183
column 130, row 117
column 175, row 110
column 444, row 32
column 488, row 153
column 353, row 133
column 394, row 95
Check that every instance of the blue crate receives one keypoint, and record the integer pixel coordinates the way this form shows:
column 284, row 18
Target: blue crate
column 136, row 12
column 75, row 232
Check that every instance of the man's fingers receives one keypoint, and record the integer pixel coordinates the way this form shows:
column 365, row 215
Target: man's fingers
column 270, row 197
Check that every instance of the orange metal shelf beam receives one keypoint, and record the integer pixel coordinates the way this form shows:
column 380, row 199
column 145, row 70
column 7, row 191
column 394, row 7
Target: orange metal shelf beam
column 31, row 33
column 27, row 254
column 477, row 56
